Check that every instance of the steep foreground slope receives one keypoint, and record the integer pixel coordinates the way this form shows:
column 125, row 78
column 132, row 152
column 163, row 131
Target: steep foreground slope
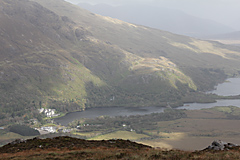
column 72, row 148
column 57, row 55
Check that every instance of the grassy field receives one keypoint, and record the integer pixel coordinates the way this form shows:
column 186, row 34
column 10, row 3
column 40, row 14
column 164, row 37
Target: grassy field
column 11, row 135
column 196, row 131
column 6, row 137
column 126, row 135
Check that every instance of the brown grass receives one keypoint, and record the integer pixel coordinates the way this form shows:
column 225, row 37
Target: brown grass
column 114, row 153
column 72, row 148
column 196, row 131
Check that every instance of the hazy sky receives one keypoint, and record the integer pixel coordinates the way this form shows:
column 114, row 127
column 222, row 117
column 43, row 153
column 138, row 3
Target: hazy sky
column 223, row 11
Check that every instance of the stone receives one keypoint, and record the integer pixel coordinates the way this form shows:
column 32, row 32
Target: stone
column 219, row 145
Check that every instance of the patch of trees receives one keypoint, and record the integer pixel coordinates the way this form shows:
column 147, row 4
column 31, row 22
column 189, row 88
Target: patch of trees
column 205, row 78
column 200, row 98
column 23, row 130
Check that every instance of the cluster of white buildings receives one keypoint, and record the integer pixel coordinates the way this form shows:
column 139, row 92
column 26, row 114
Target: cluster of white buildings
column 49, row 129
column 48, row 112
column 55, row 129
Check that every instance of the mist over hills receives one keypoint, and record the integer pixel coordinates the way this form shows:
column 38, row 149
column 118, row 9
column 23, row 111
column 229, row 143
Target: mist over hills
column 232, row 38
column 171, row 20
column 54, row 54
column 227, row 36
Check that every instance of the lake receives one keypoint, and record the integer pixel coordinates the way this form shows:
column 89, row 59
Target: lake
column 230, row 87
column 109, row 111
column 221, row 89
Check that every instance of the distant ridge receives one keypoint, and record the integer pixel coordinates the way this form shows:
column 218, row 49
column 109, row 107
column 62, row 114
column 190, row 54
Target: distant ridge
column 232, row 38
column 227, row 36
column 171, row 20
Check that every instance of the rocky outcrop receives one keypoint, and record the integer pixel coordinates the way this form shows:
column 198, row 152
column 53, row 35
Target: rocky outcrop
column 219, row 145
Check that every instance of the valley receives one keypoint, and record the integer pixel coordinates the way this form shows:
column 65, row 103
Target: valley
column 103, row 78
column 190, row 129
column 72, row 65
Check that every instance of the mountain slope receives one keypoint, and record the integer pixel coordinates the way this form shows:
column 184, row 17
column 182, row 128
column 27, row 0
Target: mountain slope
column 35, row 67
column 179, row 49
column 171, row 20
column 57, row 55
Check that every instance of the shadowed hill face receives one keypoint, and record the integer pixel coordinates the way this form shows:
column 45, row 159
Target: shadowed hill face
column 35, row 66
column 54, row 54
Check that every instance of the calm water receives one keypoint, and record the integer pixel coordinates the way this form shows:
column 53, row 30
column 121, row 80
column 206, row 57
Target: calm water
column 113, row 111
column 231, row 87
column 197, row 106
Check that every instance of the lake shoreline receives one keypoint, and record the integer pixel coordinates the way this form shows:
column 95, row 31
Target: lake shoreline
column 194, row 100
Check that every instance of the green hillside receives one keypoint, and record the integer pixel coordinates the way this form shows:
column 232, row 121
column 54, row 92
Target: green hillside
column 56, row 55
